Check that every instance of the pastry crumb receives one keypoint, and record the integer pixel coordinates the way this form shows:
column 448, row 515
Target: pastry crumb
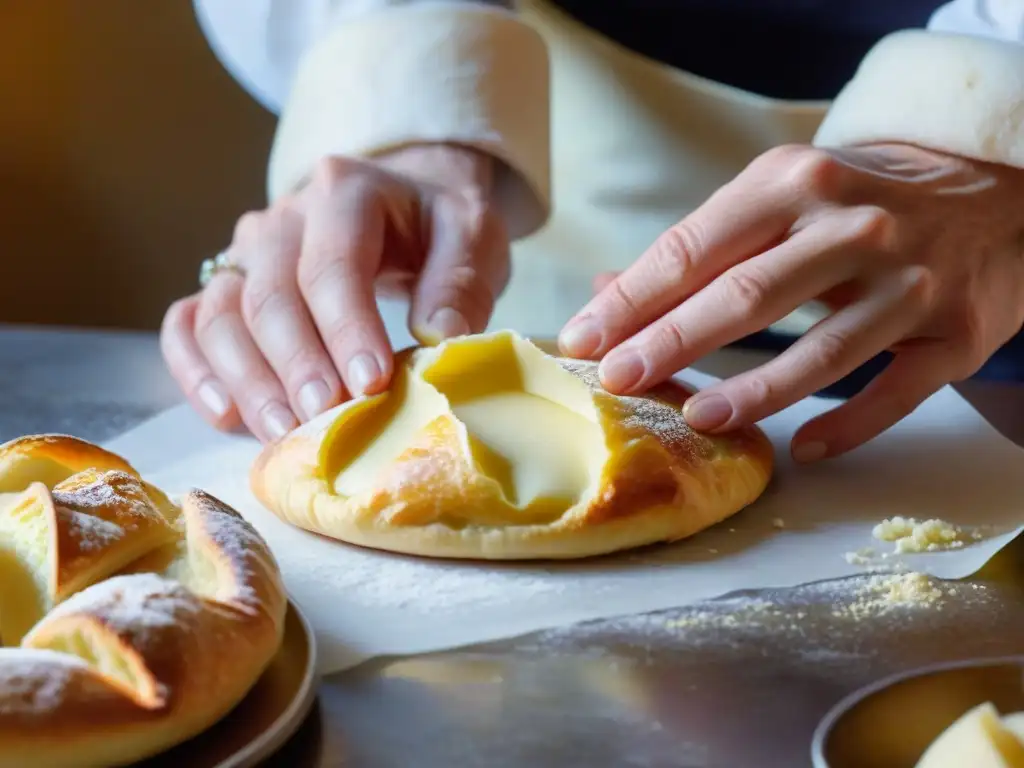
column 864, row 556
column 779, row 523
column 911, row 536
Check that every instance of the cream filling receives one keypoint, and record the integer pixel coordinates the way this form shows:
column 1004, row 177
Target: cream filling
column 549, row 451
column 532, row 426
column 25, row 563
column 384, row 432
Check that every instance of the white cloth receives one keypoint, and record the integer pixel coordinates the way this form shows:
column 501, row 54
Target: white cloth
column 633, row 144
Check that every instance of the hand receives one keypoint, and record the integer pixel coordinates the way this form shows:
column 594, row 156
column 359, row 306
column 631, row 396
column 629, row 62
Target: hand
column 265, row 345
column 916, row 252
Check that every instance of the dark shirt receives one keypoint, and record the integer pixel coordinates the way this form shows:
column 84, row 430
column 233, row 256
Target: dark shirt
column 788, row 49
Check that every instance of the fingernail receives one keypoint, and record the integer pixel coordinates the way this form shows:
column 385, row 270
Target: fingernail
column 363, row 371
column 580, row 339
column 709, row 412
column 313, row 398
column 622, row 370
column 278, row 421
column 446, row 323
column 212, row 395
column 806, row 453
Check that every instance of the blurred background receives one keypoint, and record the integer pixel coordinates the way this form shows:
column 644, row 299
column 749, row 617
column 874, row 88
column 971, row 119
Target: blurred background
column 126, row 154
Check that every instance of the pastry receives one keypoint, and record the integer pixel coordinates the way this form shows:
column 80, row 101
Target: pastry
column 979, row 739
column 128, row 624
column 487, row 447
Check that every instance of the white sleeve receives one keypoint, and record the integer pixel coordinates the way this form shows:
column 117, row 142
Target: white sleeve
column 360, row 77
column 997, row 19
column 957, row 87
column 259, row 42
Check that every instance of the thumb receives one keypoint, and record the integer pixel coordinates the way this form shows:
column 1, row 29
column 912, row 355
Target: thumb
column 466, row 269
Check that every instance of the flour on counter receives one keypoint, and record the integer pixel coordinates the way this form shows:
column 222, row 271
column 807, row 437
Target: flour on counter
column 868, row 599
column 834, row 623
column 881, row 594
column 411, row 584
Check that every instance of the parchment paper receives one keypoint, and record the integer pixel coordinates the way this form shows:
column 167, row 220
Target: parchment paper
column 944, row 461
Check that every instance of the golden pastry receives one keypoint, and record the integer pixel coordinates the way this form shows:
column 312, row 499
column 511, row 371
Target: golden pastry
column 487, row 447
column 128, row 624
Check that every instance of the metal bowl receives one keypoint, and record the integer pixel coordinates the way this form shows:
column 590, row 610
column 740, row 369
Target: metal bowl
column 891, row 723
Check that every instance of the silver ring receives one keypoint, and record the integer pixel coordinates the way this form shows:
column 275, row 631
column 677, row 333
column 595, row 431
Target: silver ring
column 210, row 268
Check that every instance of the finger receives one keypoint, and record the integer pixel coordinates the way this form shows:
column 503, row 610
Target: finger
column 466, row 269
column 603, row 280
column 342, row 251
column 748, row 298
column 829, row 351
column 911, row 378
column 236, row 360
column 841, row 295
column 738, row 221
column 189, row 368
column 396, row 285
column 277, row 317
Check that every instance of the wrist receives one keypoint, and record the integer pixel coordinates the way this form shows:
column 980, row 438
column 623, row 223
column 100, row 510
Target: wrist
column 449, row 166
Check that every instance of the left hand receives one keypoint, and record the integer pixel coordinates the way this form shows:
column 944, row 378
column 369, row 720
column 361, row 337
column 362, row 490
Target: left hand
column 916, row 252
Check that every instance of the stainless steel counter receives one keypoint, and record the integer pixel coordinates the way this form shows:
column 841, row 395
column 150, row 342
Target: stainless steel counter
column 736, row 683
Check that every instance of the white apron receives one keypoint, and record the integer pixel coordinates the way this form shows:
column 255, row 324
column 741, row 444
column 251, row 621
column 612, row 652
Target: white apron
column 636, row 145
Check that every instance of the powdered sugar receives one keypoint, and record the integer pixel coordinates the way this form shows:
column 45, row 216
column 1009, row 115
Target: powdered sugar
column 237, row 541
column 93, row 490
column 396, row 582
column 100, row 508
column 35, row 681
column 91, row 533
column 662, row 419
column 822, row 623
column 133, row 603
column 232, row 535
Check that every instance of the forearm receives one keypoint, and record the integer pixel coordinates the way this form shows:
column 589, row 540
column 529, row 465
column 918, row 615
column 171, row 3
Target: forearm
column 375, row 76
column 436, row 72
column 448, row 166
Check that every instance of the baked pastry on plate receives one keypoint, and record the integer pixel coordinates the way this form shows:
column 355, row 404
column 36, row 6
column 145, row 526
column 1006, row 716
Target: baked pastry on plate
column 128, row 624
column 487, row 447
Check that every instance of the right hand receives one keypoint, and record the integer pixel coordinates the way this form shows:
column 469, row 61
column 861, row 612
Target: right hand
column 265, row 349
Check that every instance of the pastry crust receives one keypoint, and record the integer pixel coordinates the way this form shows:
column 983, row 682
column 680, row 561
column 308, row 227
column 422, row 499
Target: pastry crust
column 129, row 624
column 487, row 447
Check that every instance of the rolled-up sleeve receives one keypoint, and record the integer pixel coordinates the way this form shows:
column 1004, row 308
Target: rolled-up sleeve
column 363, row 77
column 956, row 87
